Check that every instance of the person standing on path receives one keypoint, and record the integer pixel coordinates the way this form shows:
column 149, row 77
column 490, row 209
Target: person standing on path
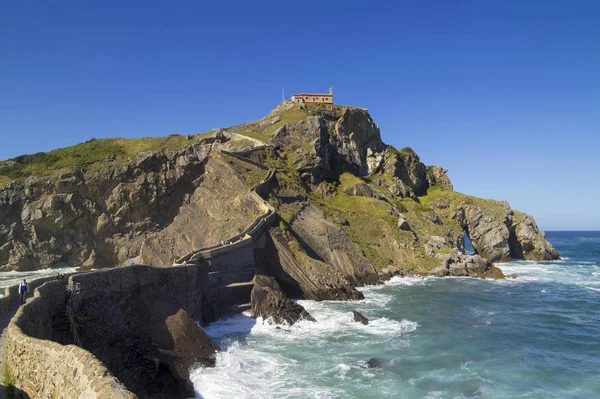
column 23, row 288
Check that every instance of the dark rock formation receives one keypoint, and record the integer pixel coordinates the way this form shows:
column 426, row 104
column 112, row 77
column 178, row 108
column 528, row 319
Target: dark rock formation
column 467, row 265
column 527, row 241
column 388, row 272
column 403, row 224
column 270, row 303
column 374, row 362
column 360, row 318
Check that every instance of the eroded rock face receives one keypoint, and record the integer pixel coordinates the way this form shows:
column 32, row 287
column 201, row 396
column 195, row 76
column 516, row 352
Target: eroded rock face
column 346, row 139
column 436, row 176
column 358, row 141
column 328, row 243
column 104, row 218
column 500, row 234
column 269, row 302
column 300, row 275
column 406, row 168
column 488, row 234
column 461, row 265
column 528, row 242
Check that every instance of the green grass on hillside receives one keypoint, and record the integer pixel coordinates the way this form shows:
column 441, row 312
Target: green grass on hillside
column 264, row 133
column 89, row 155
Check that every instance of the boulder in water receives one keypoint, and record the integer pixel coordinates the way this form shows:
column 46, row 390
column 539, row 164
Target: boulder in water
column 360, row 318
column 374, row 363
column 269, row 302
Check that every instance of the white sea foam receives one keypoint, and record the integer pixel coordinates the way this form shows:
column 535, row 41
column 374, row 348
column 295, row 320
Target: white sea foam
column 254, row 362
column 8, row 279
column 397, row 280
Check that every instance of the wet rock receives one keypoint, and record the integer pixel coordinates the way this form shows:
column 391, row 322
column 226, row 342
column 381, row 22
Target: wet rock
column 461, row 265
column 360, row 318
column 269, row 302
column 373, row 363
column 388, row 272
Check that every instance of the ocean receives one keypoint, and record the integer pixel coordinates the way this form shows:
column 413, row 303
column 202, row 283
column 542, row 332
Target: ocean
column 537, row 336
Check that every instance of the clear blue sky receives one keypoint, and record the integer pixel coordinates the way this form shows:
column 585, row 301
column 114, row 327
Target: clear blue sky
column 505, row 94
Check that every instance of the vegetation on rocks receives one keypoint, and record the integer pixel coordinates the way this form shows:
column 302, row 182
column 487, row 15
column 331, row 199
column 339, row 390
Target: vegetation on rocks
column 91, row 155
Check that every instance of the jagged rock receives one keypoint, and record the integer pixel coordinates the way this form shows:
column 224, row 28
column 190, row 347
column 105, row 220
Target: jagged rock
column 436, row 176
column 500, row 234
column 434, row 243
column 374, row 161
column 528, row 242
column 489, row 235
column 269, row 302
column 403, row 224
column 459, row 264
column 356, row 137
column 388, row 272
column 407, row 168
column 398, row 189
column 360, row 318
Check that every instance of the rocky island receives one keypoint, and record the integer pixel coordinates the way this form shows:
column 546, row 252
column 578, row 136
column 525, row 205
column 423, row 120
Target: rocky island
column 307, row 202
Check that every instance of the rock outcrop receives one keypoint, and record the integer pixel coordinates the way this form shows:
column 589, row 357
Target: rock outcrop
column 269, row 302
column 360, row 318
column 499, row 234
column 461, row 265
column 437, row 177
column 407, row 171
column 329, row 244
column 527, row 241
column 300, row 275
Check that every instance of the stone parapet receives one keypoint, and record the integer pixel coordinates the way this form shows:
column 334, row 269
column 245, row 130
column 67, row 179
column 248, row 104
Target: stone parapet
column 41, row 368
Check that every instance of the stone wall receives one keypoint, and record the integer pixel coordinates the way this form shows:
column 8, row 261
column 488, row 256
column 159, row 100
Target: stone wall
column 188, row 286
column 41, row 368
column 11, row 298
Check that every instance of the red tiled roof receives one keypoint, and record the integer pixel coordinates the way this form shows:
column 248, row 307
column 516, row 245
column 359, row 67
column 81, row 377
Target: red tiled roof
column 313, row 94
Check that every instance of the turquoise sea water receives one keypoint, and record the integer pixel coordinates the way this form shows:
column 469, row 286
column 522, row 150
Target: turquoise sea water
column 537, row 336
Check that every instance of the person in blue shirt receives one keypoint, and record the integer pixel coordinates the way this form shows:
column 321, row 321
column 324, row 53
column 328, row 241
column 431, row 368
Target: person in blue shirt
column 23, row 289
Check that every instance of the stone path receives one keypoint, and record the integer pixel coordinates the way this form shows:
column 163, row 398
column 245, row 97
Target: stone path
column 4, row 320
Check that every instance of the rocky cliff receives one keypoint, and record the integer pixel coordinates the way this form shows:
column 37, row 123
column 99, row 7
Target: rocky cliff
column 350, row 206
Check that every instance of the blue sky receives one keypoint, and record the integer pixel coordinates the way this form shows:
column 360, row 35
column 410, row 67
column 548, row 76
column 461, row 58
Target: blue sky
column 505, row 94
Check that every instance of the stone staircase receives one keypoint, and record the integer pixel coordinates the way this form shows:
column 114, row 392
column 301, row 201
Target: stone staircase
column 61, row 328
column 232, row 289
